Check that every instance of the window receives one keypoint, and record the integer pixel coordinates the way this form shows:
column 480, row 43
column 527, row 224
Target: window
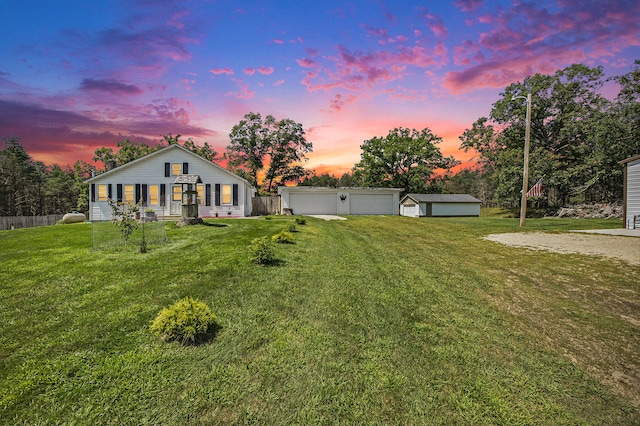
column 129, row 193
column 154, row 199
column 102, row 193
column 176, row 169
column 200, row 193
column 176, row 193
column 226, row 194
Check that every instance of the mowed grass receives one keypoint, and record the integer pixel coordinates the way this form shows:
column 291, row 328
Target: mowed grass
column 372, row 320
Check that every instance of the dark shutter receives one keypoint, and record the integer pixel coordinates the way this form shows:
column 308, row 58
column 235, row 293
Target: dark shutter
column 185, row 168
column 217, row 194
column 167, row 169
column 235, row 194
column 145, row 194
column 109, row 194
column 93, row 192
column 138, row 195
column 207, row 194
column 163, row 192
column 119, row 192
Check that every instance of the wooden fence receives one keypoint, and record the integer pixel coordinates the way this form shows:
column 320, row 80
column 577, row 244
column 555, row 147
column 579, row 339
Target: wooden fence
column 261, row 206
column 15, row 222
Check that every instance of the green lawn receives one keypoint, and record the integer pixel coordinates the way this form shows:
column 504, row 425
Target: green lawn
column 372, row 320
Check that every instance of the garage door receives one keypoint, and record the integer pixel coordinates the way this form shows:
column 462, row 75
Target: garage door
column 373, row 204
column 313, row 203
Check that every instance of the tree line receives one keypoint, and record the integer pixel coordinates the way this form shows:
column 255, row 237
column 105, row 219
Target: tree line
column 578, row 137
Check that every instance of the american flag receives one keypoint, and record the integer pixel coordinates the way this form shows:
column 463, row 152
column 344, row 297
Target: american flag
column 536, row 190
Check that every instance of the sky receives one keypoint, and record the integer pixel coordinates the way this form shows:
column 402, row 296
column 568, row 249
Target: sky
column 79, row 75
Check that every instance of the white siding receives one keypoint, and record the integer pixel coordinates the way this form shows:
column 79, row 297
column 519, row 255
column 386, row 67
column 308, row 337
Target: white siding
column 362, row 204
column 633, row 191
column 313, row 203
column 411, row 210
column 347, row 201
column 455, row 209
column 150, row 170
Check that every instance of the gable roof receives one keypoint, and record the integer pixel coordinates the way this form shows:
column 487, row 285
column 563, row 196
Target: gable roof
column 630, row 159
column 162, row 150
column 441, row 198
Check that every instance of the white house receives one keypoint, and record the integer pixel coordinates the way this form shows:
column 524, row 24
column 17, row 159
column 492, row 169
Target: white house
column 430, row 205
column 631, row 192
column 308, row 200
column 151, row 180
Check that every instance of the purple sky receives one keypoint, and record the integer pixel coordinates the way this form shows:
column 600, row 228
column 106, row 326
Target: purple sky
column 79, row 75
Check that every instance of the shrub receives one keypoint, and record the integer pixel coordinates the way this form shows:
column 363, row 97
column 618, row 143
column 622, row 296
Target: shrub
column 283, row 237
column 262, row 252
column 301, row 221
column 292, row 228
column 188, row 321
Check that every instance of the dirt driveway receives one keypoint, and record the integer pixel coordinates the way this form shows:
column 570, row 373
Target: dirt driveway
column 623, row 248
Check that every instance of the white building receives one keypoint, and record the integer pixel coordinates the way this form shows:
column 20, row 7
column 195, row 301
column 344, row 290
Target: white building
column 151, row 181
column 631, row 192
column 430, row 205
column 309, row 200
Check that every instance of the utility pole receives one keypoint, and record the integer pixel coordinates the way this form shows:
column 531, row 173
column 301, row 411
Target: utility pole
column 525, row 171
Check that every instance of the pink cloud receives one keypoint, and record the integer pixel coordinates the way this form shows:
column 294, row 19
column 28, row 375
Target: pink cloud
column 339, row 101
column 312, row 52
column 436, row 25
column 265, row 70
column 218, row 71
column 468, row 5
column 249, row 71
column 278, row 83
column 110, row 86
column 306, row 63
column 527, row 39
column 243, row 92
column 278, row 41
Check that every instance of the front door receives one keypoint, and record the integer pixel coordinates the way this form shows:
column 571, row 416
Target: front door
column 175, row 208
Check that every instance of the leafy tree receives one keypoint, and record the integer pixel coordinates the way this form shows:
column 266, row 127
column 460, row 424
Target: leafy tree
column 405, row 158
column 21, row 180
column 81, row 172
column 577, row 136
column 60, row 191
column 272, row 148
column 128, row 151
column 205, row 151
column 322, row 180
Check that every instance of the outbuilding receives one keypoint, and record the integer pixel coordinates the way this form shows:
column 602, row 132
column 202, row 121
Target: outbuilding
column 431, row 205
column 309, row 200
column 631, row 192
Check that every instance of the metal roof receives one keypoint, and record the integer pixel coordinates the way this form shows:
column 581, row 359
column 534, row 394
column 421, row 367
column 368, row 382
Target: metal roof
column 441, row 198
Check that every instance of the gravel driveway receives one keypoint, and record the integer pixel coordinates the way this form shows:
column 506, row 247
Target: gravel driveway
column 623, row 248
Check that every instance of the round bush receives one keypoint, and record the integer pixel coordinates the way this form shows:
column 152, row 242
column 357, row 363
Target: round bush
column 283, row 237
column 188, row 321
column 262, row 252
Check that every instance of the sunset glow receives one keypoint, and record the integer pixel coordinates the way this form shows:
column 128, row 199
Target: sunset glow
column 76, row 76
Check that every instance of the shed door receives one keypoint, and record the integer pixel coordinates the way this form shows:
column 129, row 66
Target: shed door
column 372, row 204
column 313, row 203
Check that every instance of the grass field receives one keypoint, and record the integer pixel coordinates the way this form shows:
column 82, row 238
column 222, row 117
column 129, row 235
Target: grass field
column 372, row 320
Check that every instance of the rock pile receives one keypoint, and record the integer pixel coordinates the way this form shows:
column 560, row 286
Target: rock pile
column 591, row 211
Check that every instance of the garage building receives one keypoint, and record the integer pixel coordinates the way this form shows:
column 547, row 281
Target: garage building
column 308, row 200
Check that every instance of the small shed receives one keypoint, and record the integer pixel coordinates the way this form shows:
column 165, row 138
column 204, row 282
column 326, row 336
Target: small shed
column 431, row 205
column 631, row 204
